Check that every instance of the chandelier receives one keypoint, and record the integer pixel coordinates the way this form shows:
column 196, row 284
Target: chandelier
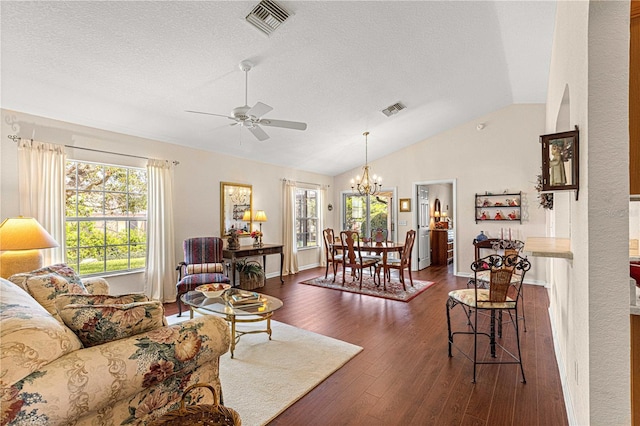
column 366, row 185
column 238, row 195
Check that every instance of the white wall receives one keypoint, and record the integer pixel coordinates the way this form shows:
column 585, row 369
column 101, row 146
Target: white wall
column 196, row 186
column 505, row 155
column 589, row 301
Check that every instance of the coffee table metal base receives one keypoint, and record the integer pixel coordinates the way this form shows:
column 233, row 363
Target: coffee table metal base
column 233, row 320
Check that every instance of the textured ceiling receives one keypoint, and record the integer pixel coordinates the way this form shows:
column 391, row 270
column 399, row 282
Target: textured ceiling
column 135, row 67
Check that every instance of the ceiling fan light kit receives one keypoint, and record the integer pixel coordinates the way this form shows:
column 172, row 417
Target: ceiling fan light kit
column 251, row 117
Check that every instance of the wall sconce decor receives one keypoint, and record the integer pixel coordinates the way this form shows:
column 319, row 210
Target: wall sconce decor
column 21, row 239
column 405, row 204
column 560, row 161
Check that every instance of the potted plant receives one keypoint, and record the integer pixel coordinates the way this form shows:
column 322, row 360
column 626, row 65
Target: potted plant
column 251, row 274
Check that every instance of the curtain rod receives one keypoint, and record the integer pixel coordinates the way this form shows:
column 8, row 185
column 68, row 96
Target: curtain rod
column 305, row 183
column 16, row 139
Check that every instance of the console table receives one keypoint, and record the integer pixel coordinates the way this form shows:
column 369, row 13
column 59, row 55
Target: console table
column 250, row 251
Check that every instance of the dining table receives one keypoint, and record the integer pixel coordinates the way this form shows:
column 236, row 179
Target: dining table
column 381, row 249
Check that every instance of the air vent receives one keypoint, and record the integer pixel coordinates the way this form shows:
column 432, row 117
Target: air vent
column 267, row 16
column 393, row 109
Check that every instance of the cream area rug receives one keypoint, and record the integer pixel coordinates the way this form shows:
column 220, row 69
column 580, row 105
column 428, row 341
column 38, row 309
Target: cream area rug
column 267, row 376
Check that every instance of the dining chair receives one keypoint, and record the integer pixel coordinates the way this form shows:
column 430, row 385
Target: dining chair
column 330, row 252
column 353, row 258
column 401, row 263
column 503, row 295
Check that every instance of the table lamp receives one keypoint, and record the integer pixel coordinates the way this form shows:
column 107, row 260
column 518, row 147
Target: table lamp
column 21, row 239
column 260, row 217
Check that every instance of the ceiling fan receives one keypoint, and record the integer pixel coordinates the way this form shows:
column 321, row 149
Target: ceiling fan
column 251, row 117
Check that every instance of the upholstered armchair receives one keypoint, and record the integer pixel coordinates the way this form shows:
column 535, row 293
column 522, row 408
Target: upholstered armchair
column 202, row 264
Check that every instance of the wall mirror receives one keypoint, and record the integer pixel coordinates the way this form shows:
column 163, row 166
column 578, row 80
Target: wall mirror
column 236, row 204
column 560, row 161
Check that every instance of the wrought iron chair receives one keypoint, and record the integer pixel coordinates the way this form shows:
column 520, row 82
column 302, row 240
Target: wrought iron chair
column 402, row 263
column 502, row 295
column 352, row 256
column 331, row 254
column 501, row 247
column 202, row 264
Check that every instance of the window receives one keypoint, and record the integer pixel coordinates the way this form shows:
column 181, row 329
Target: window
column 106, row 217
column 307, row 217
column 364, row 213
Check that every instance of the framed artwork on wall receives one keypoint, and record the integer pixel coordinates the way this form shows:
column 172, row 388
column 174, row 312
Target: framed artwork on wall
column 405, row 204
column 560, row 161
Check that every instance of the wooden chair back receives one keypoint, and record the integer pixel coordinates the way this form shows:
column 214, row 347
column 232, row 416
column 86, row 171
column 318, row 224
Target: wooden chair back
column 405, row 259
column 350, row 240
column 329, row 239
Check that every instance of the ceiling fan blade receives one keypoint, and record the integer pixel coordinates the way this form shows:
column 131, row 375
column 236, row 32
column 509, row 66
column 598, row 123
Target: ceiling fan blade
column 210, row 113
column 259, row 109
column 285, row 124
column 257, row 131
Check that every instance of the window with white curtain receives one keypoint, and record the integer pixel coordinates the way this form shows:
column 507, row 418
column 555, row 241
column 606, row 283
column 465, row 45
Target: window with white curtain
column 106, row 217
column 307, row 217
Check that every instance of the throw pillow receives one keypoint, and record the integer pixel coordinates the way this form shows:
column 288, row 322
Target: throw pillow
column 98, row 324
column 31, row 338
column 203, row 268
column 61, row 269
column 45, row 288
column 97, row 299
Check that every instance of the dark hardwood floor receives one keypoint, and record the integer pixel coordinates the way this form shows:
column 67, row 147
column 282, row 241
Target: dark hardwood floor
column 404, row 376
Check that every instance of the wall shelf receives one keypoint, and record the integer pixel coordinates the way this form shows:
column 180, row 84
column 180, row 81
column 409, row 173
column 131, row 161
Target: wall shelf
column 548, row 247
column 498, row 207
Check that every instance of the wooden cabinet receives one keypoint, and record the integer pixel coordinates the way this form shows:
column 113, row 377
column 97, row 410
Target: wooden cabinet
column 441, row 246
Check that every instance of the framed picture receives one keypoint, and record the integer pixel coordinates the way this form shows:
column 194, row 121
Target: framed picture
column 405, row 204
column 560, row 161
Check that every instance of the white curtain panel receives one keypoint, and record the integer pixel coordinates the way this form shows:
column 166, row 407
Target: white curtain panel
column 290, row 249
column 41, row 180
column 160, row 277
column 321, row 225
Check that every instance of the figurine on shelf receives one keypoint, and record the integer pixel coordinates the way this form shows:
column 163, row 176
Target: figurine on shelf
column 484, row 216
column 486, row 203
column 499, row 216
column 513, row 202
column 512, row 215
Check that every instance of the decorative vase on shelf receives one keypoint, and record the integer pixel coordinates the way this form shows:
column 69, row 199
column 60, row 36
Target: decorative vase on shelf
column 482, row 236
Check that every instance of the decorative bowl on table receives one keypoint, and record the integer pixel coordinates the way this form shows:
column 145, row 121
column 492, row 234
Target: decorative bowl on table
column 213, row 289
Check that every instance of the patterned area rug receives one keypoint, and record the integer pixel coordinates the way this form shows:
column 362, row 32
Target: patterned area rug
column 394, row 288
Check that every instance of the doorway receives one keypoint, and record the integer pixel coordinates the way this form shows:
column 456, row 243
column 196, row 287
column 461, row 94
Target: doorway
column 425, row 195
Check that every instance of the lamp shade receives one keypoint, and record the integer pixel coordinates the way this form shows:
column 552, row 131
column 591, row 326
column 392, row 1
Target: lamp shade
column 260, row 216
column 246, row 217
column 24, row 233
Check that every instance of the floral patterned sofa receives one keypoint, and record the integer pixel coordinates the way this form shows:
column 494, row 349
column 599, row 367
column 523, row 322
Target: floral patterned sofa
column 70, row 357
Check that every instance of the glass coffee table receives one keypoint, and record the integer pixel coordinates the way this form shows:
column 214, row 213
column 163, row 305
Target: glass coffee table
column 238, row 307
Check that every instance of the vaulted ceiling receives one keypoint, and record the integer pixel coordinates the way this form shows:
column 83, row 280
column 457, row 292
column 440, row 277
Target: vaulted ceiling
column 136, row 67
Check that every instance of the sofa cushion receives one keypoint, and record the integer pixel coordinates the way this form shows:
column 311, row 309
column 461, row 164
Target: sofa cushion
column 98, row 324
column 30, row 337
column 97, row 299
column 61, row 269
column 45, row 288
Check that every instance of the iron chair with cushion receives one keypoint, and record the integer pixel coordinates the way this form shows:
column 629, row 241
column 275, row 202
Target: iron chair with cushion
column 352, row 256
column 202, row 264
column 502, row 295
column 330, row 252
column 501, row 247
column 402, row 263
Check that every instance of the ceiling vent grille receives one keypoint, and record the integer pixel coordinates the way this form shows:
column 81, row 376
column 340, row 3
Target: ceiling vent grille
column 393, row 109
column 267, row 16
